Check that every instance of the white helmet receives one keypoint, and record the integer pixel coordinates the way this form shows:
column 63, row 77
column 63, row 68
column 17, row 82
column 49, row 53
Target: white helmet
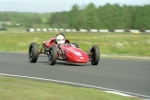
column 60, row 39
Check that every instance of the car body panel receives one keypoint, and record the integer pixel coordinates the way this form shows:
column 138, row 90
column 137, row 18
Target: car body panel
column 49, row 42
column 71, row 53
column 75, row 54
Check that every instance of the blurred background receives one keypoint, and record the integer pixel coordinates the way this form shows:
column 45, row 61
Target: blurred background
column 78, row 14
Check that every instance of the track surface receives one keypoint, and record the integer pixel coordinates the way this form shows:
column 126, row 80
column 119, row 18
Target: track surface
column 124, row 75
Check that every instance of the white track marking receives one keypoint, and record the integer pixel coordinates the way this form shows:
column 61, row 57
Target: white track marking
column 122, row 94
column 78, row 84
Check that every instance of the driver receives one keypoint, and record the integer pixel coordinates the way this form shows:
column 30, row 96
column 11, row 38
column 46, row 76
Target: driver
column 60, row 39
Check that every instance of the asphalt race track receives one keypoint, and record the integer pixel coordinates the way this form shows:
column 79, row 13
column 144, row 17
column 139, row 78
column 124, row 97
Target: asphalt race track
column 131, row 76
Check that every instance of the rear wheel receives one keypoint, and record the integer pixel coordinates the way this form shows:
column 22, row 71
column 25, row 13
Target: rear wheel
column 52, row 55
column 33, row 52
column 95, row 55
column 76, row 45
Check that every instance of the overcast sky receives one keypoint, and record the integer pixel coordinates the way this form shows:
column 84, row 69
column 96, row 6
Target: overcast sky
column 57, row 5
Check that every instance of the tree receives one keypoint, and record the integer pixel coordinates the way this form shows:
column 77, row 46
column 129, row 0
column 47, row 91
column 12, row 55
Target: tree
column 126, row 20
column 92, row 21
column 74, row 16
column 109, row 16
column 143, row 18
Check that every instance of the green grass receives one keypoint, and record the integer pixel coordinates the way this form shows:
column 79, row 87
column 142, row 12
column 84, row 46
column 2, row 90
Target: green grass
column 112, row 43
column 28, row 89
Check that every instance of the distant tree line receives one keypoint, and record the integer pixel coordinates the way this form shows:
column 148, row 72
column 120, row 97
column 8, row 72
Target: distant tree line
column 20, row 19
column 109, row 16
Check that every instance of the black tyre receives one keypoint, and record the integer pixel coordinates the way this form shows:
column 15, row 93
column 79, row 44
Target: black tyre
column 33, row 52
column 95, row 55
column 76, row 44
column 52, row 55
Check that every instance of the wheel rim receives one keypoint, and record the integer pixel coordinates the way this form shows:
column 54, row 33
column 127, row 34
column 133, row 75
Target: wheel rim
column 50, row 56
column 31, row 53
column 93, row 57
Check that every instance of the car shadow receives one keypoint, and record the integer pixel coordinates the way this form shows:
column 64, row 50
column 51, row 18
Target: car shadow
column 70, row 64
column 59, row 62
column 64, row 63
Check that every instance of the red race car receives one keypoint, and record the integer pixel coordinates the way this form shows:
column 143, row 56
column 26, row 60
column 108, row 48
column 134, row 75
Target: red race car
column 60, row 48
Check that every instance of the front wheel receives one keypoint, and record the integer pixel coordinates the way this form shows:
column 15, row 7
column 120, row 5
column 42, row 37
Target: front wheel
column 52, row 55
column 33, row 52
column 95, row 55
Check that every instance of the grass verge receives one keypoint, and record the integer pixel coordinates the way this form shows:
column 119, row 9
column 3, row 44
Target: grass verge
column 28, row 89
column 112, row 43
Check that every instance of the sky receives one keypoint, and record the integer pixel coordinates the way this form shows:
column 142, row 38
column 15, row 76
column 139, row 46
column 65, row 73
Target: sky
column 42, row 6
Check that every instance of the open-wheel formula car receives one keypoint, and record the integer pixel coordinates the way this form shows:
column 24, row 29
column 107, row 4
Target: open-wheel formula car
column 56, row 49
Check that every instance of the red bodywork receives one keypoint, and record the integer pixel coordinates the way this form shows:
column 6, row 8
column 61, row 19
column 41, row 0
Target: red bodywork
column 71, row 53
